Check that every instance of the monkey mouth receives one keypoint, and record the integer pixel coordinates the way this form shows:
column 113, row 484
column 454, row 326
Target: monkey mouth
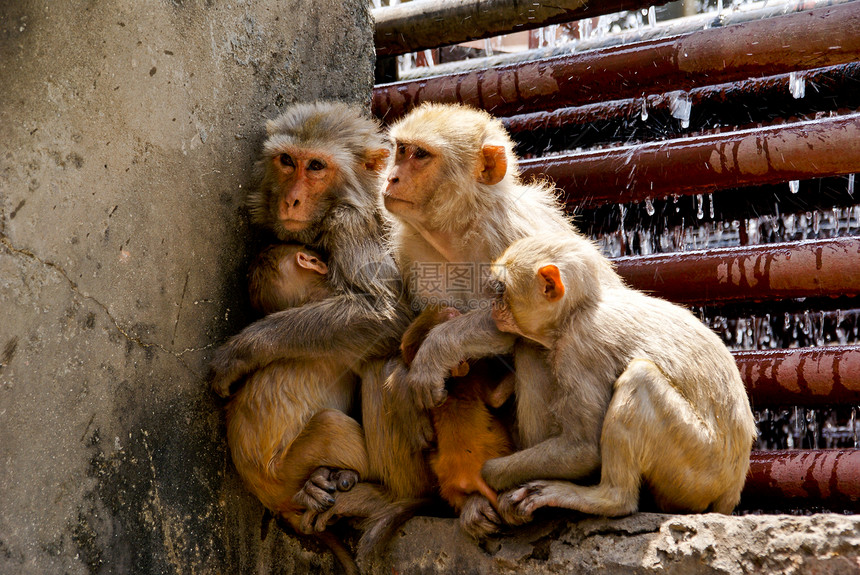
column 294, row 225
column 389, row 198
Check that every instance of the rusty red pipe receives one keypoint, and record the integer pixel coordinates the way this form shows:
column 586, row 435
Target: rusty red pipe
column 411, row 27
column 809, row 268
column 842, row 77
column 703, row 164
column 819, row 37
column 827, row 478
column 808, row 377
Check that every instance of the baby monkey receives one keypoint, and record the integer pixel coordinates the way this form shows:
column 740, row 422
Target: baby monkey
column 287, row 427
column 643, row 391
column 467, row 433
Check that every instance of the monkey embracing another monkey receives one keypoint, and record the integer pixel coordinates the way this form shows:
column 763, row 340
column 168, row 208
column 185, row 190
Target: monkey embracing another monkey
column 290, row 416
column 642, row 390
column 458, row 201
column 319, row 175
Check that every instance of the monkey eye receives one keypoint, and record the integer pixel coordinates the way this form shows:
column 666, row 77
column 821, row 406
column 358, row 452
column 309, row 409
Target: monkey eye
column 401, row 149
column 421, row 153
column 286, row 160
column 316, row 165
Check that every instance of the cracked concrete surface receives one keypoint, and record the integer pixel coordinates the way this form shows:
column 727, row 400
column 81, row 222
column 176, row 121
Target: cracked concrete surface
column 642, row 544
column 128, row 132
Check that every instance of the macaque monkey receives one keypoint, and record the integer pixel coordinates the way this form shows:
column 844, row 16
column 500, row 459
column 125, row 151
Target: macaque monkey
column 467, row 433
column 458, row 202
column 320, row 175
column 290, row 416
column 641, row 390
column 291, row 398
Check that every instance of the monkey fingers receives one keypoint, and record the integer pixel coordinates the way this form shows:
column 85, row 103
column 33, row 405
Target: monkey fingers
column 345, row 479
column 518, row 505
column 314, row 522
column 316, row 492
column 428, row 390
column 478, row 518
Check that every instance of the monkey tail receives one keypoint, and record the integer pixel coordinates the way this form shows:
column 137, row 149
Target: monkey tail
column 340, row 552
column 380, row 527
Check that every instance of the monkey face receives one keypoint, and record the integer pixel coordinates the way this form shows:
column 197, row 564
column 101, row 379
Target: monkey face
column 411, row 180
column 301, row 190
column 529, row 296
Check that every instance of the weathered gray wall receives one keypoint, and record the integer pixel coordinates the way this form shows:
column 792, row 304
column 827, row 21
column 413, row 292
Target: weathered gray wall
column 127, row 131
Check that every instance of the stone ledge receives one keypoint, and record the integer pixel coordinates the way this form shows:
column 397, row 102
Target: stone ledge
column 640, row 544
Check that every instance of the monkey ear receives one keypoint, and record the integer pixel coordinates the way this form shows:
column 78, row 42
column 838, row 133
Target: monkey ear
column 375, row 160
column 493, row 164
column 553, row 288
column 311, row 263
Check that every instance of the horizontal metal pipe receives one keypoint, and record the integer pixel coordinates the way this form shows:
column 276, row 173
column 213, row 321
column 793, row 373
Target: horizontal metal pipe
column 674, row 27
column 424, row 24
column 702, row 164
column 730, row 97
column 809, row 268
column 828, row 478
column 819, row 37
column 808, row 377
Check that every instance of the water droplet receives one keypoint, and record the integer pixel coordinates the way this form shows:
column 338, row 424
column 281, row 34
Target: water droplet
column 851, row 185
column 700, row 202
column 794, row 186
column 711, row 204
column 649, row 207
column 797, row 85
column 652, row 17
column 680, row 107
column 644, row 115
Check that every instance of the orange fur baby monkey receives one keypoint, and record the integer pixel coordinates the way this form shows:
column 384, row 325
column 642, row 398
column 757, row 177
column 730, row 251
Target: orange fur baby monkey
column 467, row 433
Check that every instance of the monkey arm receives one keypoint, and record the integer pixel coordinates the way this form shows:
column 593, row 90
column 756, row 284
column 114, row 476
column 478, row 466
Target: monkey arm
column 470, row 336
column 559, row 457
column 348, row 327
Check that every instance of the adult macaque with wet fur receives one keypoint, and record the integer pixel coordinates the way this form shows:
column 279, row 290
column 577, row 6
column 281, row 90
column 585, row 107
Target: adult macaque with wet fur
column 290, row 416
column 458, row 202
column 467, row 433
column 642, row 391
column 320, row 186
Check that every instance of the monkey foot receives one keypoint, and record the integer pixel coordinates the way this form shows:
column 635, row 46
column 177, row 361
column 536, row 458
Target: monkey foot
column 316, row 495
column 478, row 518
column 517, row 506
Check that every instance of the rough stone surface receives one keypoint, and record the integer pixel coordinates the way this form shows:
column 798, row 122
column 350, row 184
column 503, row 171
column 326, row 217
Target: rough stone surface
column 642, row 544
column 128, row 130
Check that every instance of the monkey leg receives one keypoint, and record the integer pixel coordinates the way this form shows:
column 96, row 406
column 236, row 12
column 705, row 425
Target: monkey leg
column 478, row 518
column 394, row 431
column 363, row 500
column 651, row 433
column 330, row 439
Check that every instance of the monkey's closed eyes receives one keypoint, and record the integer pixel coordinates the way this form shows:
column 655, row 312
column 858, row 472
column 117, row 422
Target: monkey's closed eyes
column 421, row 153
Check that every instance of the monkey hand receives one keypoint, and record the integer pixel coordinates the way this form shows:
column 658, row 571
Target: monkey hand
column 518, row 505
column 427, row 385
column 478, row 518
column 226, row 368
column 316, row 494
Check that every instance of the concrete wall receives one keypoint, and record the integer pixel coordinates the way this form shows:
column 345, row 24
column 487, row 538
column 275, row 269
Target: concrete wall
column 128, row 130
